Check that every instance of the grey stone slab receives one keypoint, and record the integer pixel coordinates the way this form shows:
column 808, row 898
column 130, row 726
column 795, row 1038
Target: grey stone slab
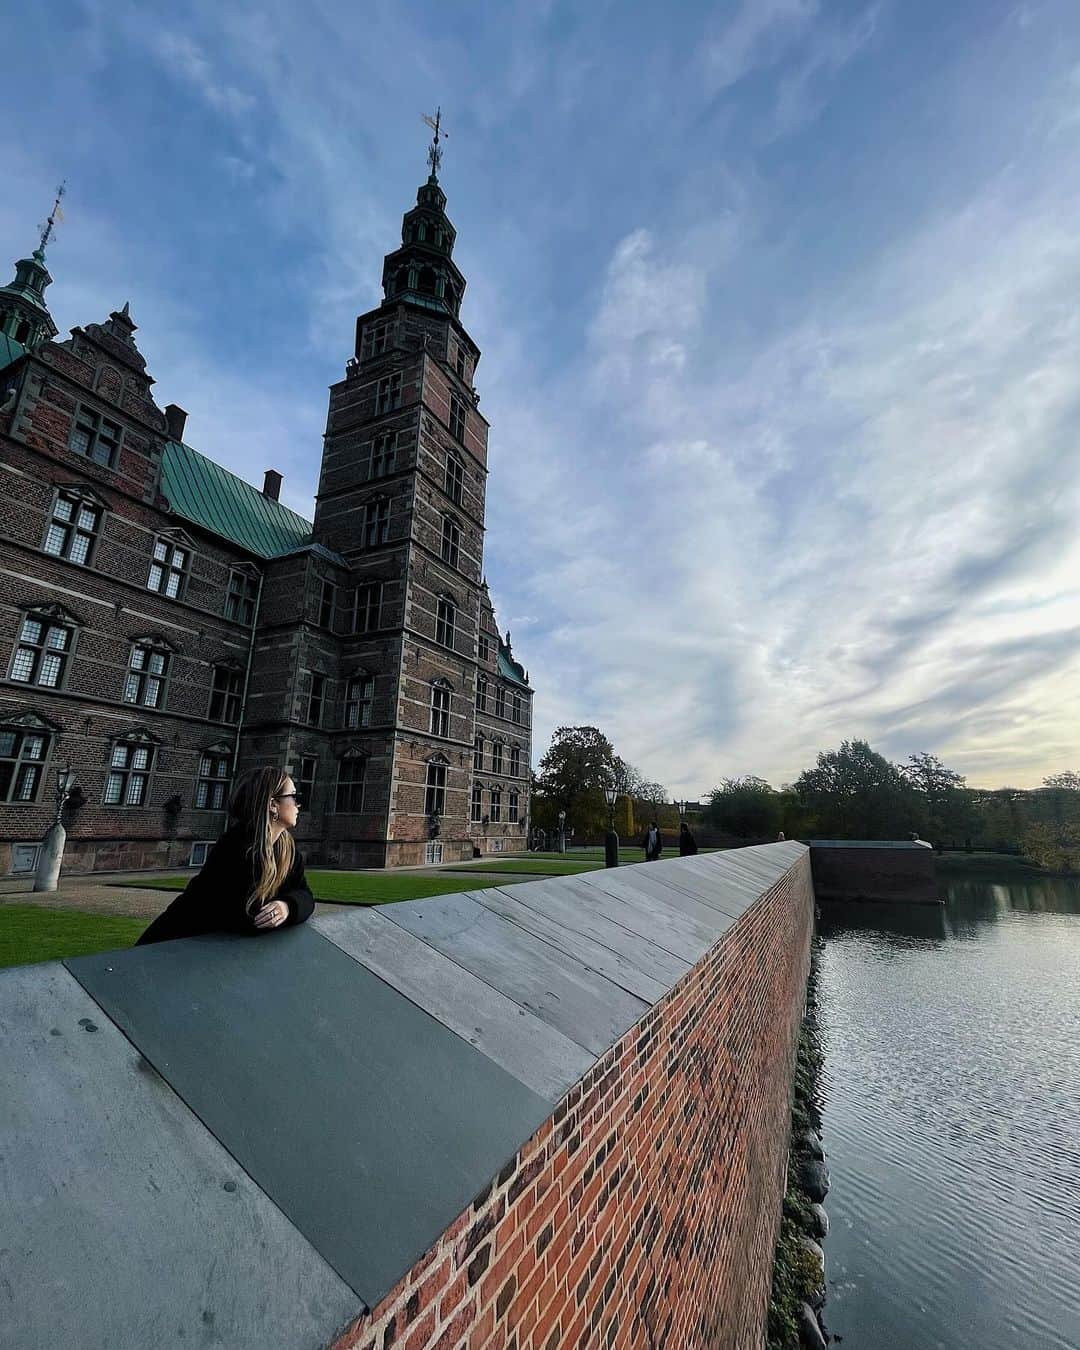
column 705, row 923
column 579, row 911
column 718, row 893
column 557, row 988
column 653, row 924
column 367, row 1122
column 537, row 1055
column 123, row 1222
column 613, row 965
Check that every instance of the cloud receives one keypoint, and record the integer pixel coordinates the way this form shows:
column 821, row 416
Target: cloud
column 182, row 56
column 757, row 35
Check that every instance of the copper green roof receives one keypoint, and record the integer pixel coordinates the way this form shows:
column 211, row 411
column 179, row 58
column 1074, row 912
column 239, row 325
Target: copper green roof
column 215, row 499
column 10, row 350
column 509, row 668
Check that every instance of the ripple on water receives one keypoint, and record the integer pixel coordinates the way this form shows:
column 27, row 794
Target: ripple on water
column 951, row 1099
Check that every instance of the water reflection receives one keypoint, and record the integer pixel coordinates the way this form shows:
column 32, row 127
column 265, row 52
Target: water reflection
column 952, row 1090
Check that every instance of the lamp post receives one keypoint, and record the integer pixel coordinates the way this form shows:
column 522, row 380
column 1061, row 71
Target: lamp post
column 611, row 839
column 561, row 845
column 47, row 875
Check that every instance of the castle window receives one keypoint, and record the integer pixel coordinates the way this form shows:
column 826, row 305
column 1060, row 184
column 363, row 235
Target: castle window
column 496, row 757
column 377, row 339
column 477, row 809
column 352, row 779
column 129, row 774
column 457, row 418
column 481, row 693
column 435, row 789
column 305, row 782
column 485, row 647
column 241, row 596
column 382, row 455
column 445, row 620
column 500, row 701
column 95, row 436
column 42, row 652
column 359, row 700
column 512, row 809
column 515, row 761
column 454, row 481
column 367, row 607
column 388, row 394
column 496, row 805
column 460, row 362
column 451, row 540
column 168, row 570
column 478, row 753
column 22, row 763
column 327, row 599
column 148, row 667
column 225, row 694
column 515, row 707
column 375, row 525
column 212, row 783
column 425, row 282
column 72, row 529
column 440, row 709
column 316, row 698
column 401, row 280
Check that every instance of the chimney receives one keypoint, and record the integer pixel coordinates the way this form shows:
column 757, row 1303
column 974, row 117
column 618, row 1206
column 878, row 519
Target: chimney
column 272, row 484
column 175, row 421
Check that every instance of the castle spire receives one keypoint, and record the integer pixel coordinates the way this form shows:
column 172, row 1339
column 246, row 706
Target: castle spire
column 24, row 315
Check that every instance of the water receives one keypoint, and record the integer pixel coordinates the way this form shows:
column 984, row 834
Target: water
column 952, row 1118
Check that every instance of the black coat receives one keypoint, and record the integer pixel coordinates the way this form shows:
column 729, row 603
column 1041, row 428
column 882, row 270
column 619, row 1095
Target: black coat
column 687, row 844
column 214, row 900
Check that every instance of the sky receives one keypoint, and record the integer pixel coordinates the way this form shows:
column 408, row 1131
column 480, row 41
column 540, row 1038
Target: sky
column 778, row 306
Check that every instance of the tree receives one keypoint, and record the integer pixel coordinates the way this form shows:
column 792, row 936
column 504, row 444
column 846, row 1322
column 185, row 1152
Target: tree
column 572, row 776
column 945, row 807
column 855, row 793
column 1068, row 781
column 745, row 807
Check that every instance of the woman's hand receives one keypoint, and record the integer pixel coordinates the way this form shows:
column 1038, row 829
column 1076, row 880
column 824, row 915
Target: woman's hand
column 272, row 915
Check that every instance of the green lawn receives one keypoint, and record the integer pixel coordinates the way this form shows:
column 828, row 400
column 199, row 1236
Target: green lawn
column 540, row 868
column 29, row 933
column 356, row 888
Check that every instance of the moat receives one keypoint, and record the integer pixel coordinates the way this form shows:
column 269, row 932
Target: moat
column 952, row 1096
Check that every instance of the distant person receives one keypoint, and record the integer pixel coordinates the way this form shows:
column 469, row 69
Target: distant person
column 652, row 843
column 687, row 842
column 253, row 880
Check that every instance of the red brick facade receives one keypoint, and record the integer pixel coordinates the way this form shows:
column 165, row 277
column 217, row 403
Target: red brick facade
column 356, row 668
column 644, row 1212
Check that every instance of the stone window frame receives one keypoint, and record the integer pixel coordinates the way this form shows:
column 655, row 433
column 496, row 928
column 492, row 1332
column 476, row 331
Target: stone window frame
column 380, row 455
column 142, row 677
column 375, row 522
column 478, row 753
column 378, row 337
column 306, row 779
column 359, row 700
column 242, row 595
column 461, row 362
column 350, row 788
column 515, row 707
column 38, row 652
column 497, row 756
column 97, row 433
column 457, row 419
column 388, row 393
column 512, row 808
column 28, row 731
column 481, row 693
column 454, row 476
column 476, row 804
column 515, row 761
column 319, row 690
column 327, row 604
column 131, row 762
column 484, row 647
column 500, row 701
column 227, row 691
column 446, row 612
column 163, row 561
column 367, row 607
column 442, row 704
column 435, row 786
column 213, row 777
column 495, row 809
column 450, row 545
column 68, row 532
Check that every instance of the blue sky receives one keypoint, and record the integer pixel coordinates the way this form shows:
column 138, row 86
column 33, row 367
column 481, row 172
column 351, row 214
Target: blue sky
column 778, row 306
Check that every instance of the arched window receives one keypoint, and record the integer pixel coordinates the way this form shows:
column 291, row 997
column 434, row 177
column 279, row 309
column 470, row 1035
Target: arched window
column 22, row 333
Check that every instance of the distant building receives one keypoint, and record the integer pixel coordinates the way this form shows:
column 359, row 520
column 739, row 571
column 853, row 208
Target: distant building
column 165, row 625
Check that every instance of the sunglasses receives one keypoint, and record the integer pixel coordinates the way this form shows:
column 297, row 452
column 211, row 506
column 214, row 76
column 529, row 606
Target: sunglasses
column 281, row 796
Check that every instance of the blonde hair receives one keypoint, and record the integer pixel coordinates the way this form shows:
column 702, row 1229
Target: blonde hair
column 272, row 861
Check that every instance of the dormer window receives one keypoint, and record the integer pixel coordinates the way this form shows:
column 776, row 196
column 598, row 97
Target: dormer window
column 95, row 437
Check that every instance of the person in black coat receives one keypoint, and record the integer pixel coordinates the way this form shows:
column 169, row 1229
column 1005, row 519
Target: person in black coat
column 687, row 842
column 253, row 880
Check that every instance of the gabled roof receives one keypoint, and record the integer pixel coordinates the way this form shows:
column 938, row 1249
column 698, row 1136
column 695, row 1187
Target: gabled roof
column 208, row 495
column 10, row 350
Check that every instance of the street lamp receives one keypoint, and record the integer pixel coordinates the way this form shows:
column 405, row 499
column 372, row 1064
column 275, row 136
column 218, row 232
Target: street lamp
column 47, row 875
column 561, row 847
column 611, row 840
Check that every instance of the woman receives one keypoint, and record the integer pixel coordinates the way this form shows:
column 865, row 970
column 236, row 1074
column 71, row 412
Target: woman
column 652, row 842
column 253, row 879
column 687, row 842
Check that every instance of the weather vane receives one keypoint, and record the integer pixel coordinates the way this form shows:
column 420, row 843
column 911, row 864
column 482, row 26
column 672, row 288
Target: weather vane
column 434, row 154
column 55, row 216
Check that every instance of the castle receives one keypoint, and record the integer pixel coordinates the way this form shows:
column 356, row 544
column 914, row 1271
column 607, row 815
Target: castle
column 166, row 625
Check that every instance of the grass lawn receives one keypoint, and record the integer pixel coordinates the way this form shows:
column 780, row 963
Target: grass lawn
column 29, row 933
column 539, row 868
column 356, row 888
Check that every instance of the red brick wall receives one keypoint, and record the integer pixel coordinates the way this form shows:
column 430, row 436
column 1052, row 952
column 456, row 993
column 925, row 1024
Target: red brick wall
column 644, row 1211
